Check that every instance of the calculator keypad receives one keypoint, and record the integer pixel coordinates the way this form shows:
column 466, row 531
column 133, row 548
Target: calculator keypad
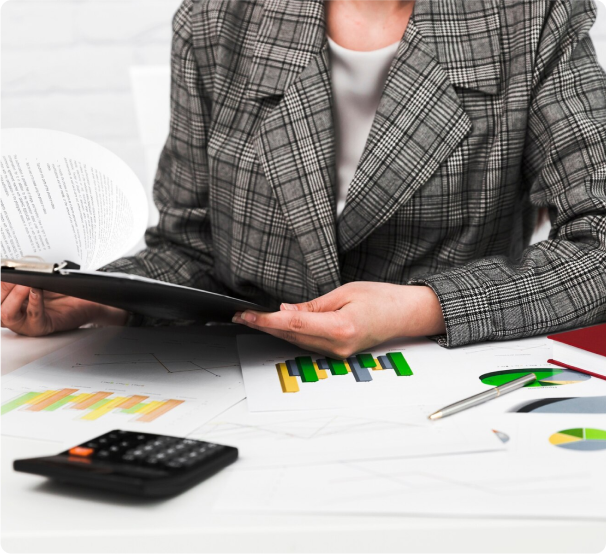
column 147, row 450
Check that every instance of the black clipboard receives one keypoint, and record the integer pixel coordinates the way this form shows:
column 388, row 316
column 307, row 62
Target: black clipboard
column 135, row 294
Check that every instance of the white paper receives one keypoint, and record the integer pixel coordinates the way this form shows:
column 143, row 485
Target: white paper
column 306, row 437
column 533, row 478
column 440, row 376
column 197, row 368
column 67, row 198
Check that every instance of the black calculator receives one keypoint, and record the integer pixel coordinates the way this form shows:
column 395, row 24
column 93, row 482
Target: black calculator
column 137, row 463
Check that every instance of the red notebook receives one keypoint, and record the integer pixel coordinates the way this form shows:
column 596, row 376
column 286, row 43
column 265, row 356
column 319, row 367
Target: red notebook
column 582, row 350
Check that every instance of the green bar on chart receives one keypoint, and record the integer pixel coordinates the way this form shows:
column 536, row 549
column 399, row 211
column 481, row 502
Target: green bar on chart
column 98, row 404
column 56, row 405
column 134, row 409
column 337, row 367
column 366, row 360
column 24, row 398
column 399, row 363
column 306, row 369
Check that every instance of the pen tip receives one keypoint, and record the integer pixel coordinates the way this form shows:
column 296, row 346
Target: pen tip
column 437, row 415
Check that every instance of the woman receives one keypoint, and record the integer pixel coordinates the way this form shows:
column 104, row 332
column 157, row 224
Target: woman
column 392, row 196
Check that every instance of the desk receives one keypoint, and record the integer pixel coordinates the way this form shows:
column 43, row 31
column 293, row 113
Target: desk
column 41, row 516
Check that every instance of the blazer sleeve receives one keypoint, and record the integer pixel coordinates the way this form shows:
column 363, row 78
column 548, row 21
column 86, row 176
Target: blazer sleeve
column 559, row 283
column 180, row 248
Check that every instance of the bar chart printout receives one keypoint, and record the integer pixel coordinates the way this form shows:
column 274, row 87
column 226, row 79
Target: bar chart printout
column 90, row 406
column 306, row 370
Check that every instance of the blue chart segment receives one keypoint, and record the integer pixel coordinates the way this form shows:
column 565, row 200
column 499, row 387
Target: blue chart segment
column 582, row 405
column 304, row 369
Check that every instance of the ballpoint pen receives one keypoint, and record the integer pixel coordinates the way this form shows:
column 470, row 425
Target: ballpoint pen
column 483, row 397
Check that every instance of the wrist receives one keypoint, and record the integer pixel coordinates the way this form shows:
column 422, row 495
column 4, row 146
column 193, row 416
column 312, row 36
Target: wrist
column 108, row 315
column 424, row 312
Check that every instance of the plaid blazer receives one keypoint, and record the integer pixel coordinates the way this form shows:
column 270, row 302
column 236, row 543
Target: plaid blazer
column 491, row 110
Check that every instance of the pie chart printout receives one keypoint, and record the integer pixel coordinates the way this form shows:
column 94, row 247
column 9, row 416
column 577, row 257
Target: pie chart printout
column 546, row 377
column 580, row 439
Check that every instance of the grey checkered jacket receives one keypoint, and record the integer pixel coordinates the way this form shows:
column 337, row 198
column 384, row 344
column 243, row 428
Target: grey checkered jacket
column 491, row 110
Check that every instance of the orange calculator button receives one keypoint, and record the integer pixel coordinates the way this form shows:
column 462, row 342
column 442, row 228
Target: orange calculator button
column 81, row 451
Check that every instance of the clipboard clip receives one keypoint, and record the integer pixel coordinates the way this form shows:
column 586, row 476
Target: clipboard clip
column 35, row 263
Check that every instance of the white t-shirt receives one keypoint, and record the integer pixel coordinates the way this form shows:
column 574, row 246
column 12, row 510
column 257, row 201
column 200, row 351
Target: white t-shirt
column 357, row 84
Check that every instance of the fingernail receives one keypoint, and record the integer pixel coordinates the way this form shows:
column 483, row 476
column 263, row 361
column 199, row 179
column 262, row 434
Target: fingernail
column 289, row 307
column 249, row 317
column 33, row 293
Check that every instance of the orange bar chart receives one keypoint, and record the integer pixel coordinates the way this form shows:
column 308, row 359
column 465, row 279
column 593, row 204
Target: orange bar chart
column 91, row 406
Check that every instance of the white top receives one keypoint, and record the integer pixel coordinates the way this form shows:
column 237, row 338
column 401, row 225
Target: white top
column 357, row 84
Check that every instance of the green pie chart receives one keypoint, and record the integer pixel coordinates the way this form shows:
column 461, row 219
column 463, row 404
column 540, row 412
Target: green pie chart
column 546, row 377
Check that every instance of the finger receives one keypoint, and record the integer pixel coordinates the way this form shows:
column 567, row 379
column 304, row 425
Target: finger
column 331, row 325
column 12, row 312
column 36, row 315
column 334, row 300
column 321, row 345
column 6, row 289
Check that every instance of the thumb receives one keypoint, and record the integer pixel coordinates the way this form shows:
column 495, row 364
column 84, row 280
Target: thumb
column 334, row 300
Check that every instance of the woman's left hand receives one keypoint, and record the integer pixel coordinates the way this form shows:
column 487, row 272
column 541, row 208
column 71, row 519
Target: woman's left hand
column 351, row 318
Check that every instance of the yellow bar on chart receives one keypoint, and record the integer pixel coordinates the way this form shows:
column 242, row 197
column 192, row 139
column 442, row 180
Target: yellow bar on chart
column 102, row 410
column 81, row 397
column 41, row 398
column 287, row 382
column 150, row 407
column 161, row 410
column 347, row 366
column 321, row 372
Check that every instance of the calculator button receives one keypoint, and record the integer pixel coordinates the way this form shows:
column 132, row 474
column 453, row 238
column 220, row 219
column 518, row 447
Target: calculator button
column 81, row 451
column 103, row 454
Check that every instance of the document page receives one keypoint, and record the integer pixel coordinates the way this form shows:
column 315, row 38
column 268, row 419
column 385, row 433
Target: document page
column 67, row 198
column 157, row 380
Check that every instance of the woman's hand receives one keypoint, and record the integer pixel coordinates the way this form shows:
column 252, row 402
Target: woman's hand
column 352, row 318
column 35, row 312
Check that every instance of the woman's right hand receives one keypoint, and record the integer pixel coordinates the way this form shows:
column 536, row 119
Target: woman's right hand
column 34, row 312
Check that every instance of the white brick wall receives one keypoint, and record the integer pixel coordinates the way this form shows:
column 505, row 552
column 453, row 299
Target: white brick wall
column 65, row 65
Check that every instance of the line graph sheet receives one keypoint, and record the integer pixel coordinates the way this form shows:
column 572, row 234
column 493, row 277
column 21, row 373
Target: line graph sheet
column 309, row 437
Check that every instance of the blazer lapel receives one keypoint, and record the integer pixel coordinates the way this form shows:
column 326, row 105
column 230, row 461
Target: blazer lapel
column 420, row 120
column 295, row 142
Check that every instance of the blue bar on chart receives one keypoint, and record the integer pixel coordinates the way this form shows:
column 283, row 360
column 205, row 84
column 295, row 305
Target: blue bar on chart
column 384, row 361
column 293, row 370
column 361, row 374
column 323, row 363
